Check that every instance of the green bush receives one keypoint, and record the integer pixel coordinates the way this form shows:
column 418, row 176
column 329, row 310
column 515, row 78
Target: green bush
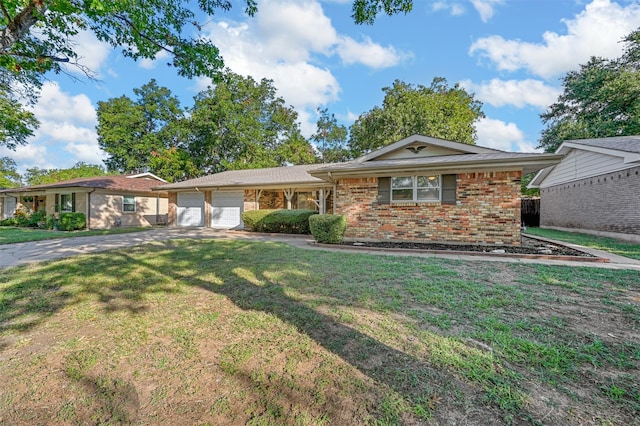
column 279, row 221
column 71, row 221
column 328, row 228
column 10, row 221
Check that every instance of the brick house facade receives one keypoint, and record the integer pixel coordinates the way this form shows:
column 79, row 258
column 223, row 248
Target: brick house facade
column 487, row 212
column 416, row 189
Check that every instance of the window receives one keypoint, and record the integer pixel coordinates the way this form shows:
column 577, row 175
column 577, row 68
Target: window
column 128, row 203
column 67, row 202
column 415, row 188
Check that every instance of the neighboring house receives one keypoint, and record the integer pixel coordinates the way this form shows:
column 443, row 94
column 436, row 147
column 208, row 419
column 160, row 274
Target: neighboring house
column 107, row 201
column 595, row 188
column 420, row 188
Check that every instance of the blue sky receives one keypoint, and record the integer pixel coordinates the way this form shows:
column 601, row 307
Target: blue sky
column 511, row 53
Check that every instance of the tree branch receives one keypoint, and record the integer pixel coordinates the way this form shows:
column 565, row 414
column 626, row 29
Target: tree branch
column 131, row 25
column 22, row 23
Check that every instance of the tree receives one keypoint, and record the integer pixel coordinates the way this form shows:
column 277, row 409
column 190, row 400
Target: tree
column 601, row 99
column 37, row 176
column 331, row 138
column 439, row 111
column 131, row 132
column 242, row 124
column 36, row 37
column 9, row 176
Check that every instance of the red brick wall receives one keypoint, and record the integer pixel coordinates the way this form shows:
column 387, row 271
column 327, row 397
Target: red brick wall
column 487, row 212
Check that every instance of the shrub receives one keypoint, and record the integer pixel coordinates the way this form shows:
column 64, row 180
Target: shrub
column 253, row 218
column 328, row 228
column 10, row 221
column 71, row 221
column 280, row 221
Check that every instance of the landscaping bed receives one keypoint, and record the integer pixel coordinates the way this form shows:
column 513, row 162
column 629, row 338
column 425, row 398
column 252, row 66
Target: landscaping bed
column 530, row 246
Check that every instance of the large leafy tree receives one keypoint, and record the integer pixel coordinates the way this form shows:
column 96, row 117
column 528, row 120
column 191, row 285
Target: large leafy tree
column 9, row 176
column 242, row 124
column 330, row 138
column 438, row 110
column 37, row 176
column 36, row 37
column 600, row 99
column 134, row 131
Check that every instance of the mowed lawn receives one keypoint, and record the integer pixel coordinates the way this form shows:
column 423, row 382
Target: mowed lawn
column 236, row 332
column 11, row 235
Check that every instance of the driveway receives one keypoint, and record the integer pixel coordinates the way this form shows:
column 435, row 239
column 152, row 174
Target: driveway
column 37, row 251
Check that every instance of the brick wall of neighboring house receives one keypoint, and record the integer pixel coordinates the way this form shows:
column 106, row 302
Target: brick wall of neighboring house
column 487, row 212
column 173, row 209
column 609, row 202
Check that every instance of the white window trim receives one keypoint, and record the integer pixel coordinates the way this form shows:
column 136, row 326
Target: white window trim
column 135, row 203
column 414, row 179
column 70, row 194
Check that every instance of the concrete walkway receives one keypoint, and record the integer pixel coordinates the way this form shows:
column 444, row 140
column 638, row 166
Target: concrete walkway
column 37, row 251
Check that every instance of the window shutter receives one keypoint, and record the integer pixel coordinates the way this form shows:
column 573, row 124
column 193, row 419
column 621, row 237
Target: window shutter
column 384, row 190
column 57, row 203
column 73, row 202
column 448, row 189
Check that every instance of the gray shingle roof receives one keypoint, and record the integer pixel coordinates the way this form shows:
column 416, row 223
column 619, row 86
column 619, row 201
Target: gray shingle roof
column 290, row 175
column 126, row 183
column 620, row 143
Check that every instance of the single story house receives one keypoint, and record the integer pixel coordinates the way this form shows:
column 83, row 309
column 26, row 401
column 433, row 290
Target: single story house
column 419, row 188
column 106, row 201
column 594, row 189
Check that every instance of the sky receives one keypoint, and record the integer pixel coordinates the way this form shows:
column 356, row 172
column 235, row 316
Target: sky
column 512, row 54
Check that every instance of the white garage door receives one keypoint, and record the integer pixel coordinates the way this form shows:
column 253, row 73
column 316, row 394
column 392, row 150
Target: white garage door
column 226, row 209
column 190, row 209
column 9, row 206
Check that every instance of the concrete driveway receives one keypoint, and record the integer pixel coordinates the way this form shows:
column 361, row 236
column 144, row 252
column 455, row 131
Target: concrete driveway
column 37, row 251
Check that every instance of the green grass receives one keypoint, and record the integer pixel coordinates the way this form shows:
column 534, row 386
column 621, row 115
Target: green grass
column 235, row 332
column 10, row 235
column 611, row 245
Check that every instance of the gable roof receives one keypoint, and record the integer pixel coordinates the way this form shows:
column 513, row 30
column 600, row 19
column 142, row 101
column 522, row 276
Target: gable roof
column 142, row 182
column 625, row 147
column 255, row 178
column 420, row 140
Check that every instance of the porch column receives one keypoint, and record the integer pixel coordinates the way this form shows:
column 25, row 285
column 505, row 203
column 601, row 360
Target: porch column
column 288, row 193
column 258, row 195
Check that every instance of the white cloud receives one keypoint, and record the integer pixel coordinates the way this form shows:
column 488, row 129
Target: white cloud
column 287, row 43
column 505, row 136
column 486, row 8
column 596, row 31
column 455, row 9
column 149, row 64
column 518, row 93
column 67, row 124
column 92, row 53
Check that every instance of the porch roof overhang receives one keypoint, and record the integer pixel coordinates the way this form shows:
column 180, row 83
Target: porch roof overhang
column 527, row 162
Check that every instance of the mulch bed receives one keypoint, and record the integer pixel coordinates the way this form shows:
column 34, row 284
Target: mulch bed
column 529, row 246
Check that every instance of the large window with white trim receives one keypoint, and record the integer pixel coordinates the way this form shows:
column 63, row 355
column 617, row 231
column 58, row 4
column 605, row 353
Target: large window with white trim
column 415, row 188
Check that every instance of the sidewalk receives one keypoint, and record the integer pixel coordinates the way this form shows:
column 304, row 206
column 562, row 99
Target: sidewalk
column 37, row 251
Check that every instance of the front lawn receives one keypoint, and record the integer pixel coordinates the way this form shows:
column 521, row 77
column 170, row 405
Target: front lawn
column 10, row 235
column 236, row 332
column 610, row 245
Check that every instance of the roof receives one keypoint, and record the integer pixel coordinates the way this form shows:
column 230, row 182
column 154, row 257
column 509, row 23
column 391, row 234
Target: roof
column 127, row 183
column 630, row 144
column 273, row 176
column 527, row 161
column 626, row 147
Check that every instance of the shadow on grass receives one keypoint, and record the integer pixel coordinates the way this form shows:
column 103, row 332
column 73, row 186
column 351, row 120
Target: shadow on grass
column 121, row 280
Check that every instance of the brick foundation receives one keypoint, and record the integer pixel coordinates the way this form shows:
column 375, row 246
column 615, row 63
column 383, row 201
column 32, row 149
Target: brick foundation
column 487, row 212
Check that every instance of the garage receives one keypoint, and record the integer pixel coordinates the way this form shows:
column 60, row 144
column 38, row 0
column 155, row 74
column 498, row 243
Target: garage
column 226, row 209
column 190, row 209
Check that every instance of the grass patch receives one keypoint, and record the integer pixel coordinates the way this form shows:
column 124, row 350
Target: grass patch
column 611, row 245
column 10, row 235
column 236, row 332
